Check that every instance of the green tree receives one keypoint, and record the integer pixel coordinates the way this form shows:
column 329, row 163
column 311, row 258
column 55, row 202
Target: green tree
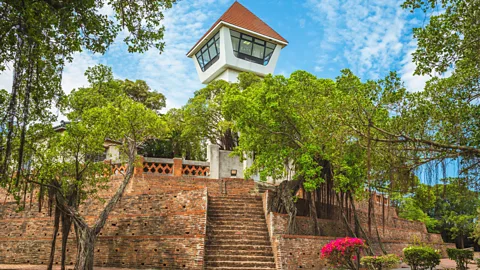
column 202, row 117
column 66, row 163
column 409, row 209
column 292, row 126
column 39, row 37
column 456, row 207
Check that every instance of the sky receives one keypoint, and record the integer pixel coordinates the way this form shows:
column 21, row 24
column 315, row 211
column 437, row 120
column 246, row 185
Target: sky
column 370, row 37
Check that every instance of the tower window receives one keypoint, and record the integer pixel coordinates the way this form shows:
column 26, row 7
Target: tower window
column 251, row 49
column 209, row 53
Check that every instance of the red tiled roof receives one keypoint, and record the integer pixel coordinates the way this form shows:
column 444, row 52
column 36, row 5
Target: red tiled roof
column 240, row 16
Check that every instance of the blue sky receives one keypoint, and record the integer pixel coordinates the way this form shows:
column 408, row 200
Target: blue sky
column 325, row 36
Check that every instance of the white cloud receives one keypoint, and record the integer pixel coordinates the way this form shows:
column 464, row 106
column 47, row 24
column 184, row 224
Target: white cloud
column 413, row 83
column 171, row 72
column 73, row 73
column 366, row 35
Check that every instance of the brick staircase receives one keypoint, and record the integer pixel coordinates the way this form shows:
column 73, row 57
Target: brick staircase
column 237, row 235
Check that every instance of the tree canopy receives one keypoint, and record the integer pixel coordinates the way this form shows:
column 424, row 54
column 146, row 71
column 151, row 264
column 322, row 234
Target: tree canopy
column 39, row 37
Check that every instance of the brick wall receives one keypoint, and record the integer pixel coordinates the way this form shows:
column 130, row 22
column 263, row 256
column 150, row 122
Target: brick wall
column 160, row 222
column 303, row 250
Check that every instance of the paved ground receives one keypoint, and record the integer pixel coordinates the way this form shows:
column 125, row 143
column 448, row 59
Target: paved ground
column 444, row 264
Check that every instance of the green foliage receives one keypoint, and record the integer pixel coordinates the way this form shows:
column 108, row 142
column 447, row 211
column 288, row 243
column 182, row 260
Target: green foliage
column 461, row 256
column 388, row 261
column 39, row 37
column 293, row 124
column 477, row 261
column 203, row 118
column 95, row 114
column 409, row 210
column 450, row 37
column 421, row 257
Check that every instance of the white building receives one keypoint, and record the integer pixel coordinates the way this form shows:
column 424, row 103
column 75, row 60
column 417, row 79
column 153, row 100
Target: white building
column 238, row 41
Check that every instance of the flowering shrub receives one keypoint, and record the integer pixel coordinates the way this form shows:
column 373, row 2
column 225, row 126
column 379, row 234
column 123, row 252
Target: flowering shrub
column 461, row 256
column 388, row 261
column 343, row 252
column 421, row 257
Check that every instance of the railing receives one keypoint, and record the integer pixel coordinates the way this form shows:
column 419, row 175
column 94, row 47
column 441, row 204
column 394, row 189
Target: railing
column 165, row 166
column 158, row 165
column 195, row 168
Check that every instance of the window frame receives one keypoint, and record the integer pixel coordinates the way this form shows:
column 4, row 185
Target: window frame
column 205, row 49
column 254, row 41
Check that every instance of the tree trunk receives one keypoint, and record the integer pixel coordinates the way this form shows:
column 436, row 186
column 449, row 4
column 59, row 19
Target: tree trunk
column 376, row 229
column 56, row 224
column 86, row 246
column 462, row 242
column 66, row 227
column 345, row 220
column 313, row 213
column 358, row 226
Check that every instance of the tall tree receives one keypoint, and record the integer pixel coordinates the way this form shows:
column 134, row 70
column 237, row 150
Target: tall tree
column 69, row 164
column 203, row 117
column 39, row 37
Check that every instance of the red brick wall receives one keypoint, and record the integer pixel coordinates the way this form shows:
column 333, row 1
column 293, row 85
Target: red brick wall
column 303, row 250
column 160, row 222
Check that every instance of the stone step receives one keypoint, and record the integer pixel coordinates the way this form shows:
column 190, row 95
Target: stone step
column 238, row 220
column 215, row 237
column 250, row 264
column 235, row 207
column 235, row 199
column 221, row 251
column 238, row 242
column 237, row 247
column 240, row 197
column 219, row 225
column 236, row 210
column 239, row 258
column 216, row 231
column 236, row 216
column 239, row 268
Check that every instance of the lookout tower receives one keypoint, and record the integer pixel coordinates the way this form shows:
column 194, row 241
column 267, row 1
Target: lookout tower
column 239, row 41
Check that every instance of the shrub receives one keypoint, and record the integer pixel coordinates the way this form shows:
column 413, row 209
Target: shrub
column 478, row 262
column 421, row 257
column 388, row 261
column 460, row 256
column 343, row 252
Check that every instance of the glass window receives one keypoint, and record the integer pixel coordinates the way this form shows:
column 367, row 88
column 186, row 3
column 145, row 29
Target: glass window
column 208, row 54
column 268, row 51
column 258, row 51
column 234, row 33
column 251, row 49
column 212, row 51
column 246, row 47
column 259, row 41
column 246, row 37
column 235, row 42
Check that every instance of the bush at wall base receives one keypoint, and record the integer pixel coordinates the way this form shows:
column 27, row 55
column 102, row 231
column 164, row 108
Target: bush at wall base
column 343, row 253
column 384, row 262
column 421, row 257
column 461, row 256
